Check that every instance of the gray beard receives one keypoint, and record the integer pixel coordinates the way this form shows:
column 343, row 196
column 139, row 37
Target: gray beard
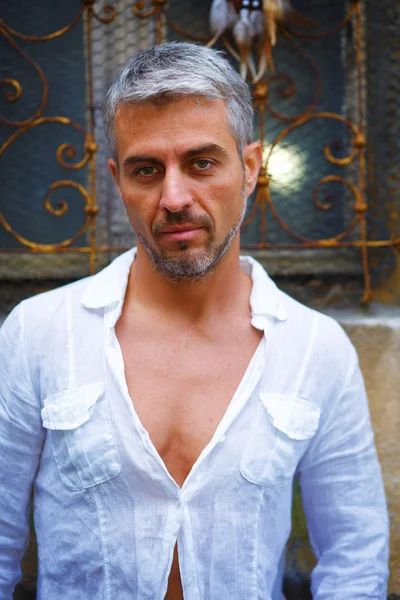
column 181, row 268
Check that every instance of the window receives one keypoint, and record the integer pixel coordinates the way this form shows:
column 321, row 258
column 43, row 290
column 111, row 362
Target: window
column 311, row 114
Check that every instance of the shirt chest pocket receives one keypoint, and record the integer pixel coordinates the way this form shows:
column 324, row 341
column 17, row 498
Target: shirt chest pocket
column 278, row 438
column 79, row 424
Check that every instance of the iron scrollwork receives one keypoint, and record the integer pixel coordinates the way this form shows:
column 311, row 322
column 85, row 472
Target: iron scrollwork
column 264, row 203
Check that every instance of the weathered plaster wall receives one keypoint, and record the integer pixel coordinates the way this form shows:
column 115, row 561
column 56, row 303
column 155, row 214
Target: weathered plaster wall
column 376, row 336
column 378, row 347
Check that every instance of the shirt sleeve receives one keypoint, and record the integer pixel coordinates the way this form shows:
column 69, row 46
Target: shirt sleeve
column 21, row 439
column 344, row 499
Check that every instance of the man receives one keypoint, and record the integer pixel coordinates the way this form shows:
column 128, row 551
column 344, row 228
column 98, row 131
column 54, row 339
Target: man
column 160, row 409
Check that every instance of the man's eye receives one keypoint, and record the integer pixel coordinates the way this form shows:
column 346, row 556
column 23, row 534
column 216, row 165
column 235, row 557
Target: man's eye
column 203, row 163
column 146, row 171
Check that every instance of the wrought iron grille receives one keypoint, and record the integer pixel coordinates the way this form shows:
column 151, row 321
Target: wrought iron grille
column 311, row 120
column 383, row 119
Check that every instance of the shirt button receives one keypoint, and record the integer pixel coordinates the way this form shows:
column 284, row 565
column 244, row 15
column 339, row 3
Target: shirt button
column 177, row 502
column 190, row 580
column 69, row 416
column 114, row 469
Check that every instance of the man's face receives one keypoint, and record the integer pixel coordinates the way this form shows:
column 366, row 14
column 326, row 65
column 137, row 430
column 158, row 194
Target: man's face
column 182, row 181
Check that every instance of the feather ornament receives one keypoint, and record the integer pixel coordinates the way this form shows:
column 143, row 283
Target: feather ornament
column 223, row 17
column 253, row 24
column 243, row 32
column 275, row 11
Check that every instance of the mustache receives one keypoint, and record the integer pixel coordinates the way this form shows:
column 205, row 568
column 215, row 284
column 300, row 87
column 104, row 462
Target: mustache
column 183, row 217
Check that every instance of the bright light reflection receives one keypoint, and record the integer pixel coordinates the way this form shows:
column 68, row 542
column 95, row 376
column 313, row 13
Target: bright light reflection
column 285, row 167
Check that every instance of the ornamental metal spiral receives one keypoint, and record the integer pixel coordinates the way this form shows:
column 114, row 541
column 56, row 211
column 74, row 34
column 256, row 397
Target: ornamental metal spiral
column 354, row 234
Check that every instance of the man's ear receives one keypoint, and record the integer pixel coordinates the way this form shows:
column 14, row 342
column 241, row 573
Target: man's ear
column 252, row 157
column 112, row 165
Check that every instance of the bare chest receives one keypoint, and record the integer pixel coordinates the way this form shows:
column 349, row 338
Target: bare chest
column 181, row 386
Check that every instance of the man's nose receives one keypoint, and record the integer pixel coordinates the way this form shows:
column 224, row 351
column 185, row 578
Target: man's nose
column 175, row 195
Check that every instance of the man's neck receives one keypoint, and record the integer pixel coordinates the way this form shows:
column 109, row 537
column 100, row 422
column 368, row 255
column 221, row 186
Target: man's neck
column 223, row 291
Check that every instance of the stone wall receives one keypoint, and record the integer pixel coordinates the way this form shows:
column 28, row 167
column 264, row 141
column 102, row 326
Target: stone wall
column 378, row 344
column 376, row 336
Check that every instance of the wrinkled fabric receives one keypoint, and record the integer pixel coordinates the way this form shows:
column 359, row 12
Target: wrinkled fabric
column 108, row 514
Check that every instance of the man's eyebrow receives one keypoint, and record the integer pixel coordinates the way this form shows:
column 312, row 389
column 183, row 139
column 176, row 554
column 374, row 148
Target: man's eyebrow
column 133, row 159
column 207, row 148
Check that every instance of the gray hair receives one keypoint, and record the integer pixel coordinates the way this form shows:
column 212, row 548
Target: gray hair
column 167, row 72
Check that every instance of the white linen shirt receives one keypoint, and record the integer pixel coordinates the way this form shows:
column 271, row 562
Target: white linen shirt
column 108, row 514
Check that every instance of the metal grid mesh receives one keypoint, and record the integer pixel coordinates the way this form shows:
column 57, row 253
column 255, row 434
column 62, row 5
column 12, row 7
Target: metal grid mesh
column 29, row 165
column 113, row 45
column 383, row 85
column 296, row 166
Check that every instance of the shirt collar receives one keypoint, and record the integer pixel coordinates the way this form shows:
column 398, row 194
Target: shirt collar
column 266, row 299
column 109, row 286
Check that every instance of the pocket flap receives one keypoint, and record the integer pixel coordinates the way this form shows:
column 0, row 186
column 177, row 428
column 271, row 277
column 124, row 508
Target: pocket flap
column 70, row 408
column 296, row 417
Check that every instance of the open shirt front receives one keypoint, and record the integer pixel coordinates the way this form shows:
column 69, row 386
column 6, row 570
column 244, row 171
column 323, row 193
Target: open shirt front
column 107, row 512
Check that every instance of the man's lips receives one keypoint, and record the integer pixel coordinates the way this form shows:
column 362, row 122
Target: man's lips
column 181, row 232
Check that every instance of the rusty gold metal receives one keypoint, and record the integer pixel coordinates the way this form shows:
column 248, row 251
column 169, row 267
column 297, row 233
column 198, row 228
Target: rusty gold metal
column 360, row 142
column 6, row 33
column 109, row 13
column 289, row 90
column 157, row 10
column 62, row 205
column 335, row 178
column 259, row 204
column 37, row 120
column 16, row 94
column 263, row 204
column 263, row 197
column 61, row 210
column 42, row 38
column 362, row 164
column 90, row 14
column 260, row 92
column 349, row 16
column 91, row 210
column 139, row 9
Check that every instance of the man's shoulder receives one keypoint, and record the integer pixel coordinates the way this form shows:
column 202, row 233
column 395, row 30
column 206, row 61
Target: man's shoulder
column 52, row 301
column 94, row 291
column 40, row 323
column 322, row 336
column 302, row 316
column 315, row 352
column 45, row 313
